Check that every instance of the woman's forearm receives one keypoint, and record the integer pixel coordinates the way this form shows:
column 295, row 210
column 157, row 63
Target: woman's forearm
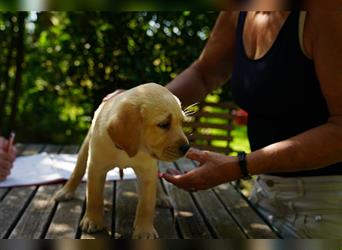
column 189, row 86
column 315, row 148
column 213, row 67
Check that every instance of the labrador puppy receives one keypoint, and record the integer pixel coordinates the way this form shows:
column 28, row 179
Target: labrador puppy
column 135, row 129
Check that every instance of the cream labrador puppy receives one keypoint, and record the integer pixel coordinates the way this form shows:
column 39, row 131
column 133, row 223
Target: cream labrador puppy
column 134, row 129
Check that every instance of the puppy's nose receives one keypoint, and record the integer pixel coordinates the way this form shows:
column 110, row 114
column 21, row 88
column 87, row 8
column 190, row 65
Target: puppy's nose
column 184, row 148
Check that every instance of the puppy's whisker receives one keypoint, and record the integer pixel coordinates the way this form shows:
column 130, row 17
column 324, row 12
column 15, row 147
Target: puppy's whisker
column 189, row 113
column 189, row 110
column 171, row 150
column 171, row 154
column 190, row 106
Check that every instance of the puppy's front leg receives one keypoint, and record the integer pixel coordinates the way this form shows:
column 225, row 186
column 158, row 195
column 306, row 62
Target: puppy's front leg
column 147, row 188
column 93, row 218
column 162, row 199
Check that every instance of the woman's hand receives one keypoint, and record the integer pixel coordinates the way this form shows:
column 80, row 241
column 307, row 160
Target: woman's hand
column 214, row 169
column 6, row 159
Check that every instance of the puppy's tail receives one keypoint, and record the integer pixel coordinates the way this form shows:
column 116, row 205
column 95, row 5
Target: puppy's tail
column 69, row 188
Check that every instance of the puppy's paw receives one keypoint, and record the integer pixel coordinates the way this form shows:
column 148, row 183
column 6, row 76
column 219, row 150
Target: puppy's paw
column 91, row 225
column 164, row 202
column 141, row 232
column 63, row 195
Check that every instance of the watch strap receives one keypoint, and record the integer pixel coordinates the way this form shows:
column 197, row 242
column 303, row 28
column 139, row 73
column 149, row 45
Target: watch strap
column 243, row 166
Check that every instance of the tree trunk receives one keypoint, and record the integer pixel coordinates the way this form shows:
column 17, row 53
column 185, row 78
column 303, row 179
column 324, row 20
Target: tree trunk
column 6, row 79
column 19, row 69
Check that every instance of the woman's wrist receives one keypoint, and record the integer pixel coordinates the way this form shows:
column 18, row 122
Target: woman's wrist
column 243, row 165
column 232, row 169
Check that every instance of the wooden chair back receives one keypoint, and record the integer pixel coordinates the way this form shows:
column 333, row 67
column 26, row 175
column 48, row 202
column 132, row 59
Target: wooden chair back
column 209, row 126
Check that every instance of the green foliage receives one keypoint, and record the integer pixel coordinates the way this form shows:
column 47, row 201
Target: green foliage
column 73, row 59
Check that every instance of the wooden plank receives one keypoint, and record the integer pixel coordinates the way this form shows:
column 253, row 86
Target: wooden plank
column 250, row 222
column 36, row 217
column 41, row 206
column 64, row 223
column 17, row 199
column 196, row 124
column 224, row 105
column 221, row 222
column 3, row 192
column 20, row 148
column 108, row 212
column 198, row 136
column 31, row 149
column 225, row 116
column 218, row 219
column 72, row 227
column 126, row 202
column 53, row 149
column 188, row 217
column 12, row 206
column 165, row 222
column 70, row 149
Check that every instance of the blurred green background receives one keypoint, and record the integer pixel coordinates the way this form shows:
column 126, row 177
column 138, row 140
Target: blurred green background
column 55, row 67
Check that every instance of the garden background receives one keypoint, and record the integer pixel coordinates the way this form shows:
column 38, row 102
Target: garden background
column 55, row 67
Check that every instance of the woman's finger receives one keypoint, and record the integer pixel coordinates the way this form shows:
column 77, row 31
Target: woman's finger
column 13, row 153
column 173, row 171
column 197, row 155
column 185, row 181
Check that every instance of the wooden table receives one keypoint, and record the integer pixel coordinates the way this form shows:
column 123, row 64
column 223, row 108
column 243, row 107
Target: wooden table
column 221, row 212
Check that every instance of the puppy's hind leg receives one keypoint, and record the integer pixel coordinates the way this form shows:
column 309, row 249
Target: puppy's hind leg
column 67, row 192
column 93, row 219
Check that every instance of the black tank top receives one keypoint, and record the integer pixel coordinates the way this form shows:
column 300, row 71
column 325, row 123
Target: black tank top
column 280, row 92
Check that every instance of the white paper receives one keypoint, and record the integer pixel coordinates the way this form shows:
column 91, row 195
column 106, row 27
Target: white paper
column 44, row 168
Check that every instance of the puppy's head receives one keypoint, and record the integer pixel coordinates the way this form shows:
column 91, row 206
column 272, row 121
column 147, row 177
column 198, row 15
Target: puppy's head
column 149, row 118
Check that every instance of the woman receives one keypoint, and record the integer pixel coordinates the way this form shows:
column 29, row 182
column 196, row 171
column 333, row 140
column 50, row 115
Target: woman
column 285, row 70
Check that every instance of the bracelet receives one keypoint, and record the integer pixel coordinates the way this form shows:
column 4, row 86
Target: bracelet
column 243, row 166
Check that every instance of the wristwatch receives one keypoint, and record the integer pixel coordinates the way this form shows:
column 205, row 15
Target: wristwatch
column 243, row 166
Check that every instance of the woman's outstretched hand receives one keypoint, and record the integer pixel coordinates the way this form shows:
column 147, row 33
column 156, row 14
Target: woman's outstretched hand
column 214, row 169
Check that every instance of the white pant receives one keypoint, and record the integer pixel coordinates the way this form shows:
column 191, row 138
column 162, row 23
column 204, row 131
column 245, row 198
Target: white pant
column 303, row 207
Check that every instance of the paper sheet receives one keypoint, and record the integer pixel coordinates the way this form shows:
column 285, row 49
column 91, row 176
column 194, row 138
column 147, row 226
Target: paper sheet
column 44, row 168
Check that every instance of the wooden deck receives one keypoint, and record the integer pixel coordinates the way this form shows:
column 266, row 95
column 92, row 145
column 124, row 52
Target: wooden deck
column 30, row 213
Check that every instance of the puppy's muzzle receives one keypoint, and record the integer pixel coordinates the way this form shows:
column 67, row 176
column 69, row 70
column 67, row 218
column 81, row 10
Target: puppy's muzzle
column 184, row 148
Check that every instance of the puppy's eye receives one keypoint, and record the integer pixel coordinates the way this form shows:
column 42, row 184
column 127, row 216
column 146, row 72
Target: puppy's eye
column 164, row 125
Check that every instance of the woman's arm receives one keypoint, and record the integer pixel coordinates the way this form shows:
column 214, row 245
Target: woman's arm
column 315, row 148
column 213, row 67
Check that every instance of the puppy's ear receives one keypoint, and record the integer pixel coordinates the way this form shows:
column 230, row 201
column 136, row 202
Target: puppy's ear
column 125, row 128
